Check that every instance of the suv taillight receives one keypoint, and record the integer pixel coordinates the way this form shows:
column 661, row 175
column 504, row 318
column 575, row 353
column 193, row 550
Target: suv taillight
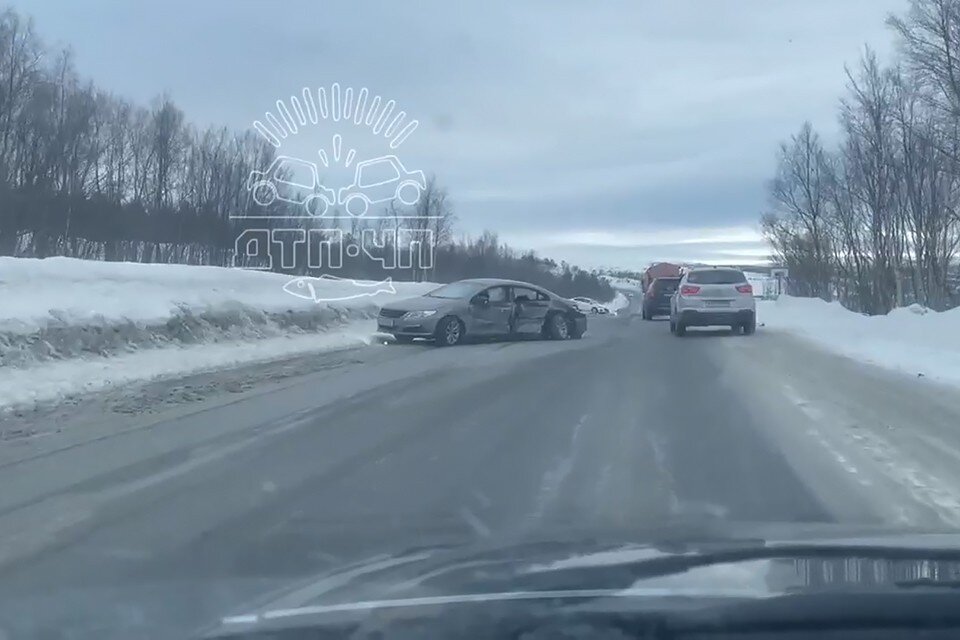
column 689, row 290
column 745, row 288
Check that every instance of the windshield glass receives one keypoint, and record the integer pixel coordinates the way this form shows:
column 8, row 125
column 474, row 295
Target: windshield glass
column 303, row 302
column 457, row 291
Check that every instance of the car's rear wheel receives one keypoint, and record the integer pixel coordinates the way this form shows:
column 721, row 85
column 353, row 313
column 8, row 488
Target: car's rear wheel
column 679, row 329
column 750, row 327
column 449, row 332
column 557, row 327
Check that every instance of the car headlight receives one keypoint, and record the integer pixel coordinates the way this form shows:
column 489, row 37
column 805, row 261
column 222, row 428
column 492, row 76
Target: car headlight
column 417, row 315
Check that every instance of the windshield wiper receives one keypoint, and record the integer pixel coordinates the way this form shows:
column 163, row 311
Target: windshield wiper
column 624, row 574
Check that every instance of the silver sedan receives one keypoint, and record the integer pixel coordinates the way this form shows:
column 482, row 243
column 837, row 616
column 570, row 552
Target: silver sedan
column 482, row 307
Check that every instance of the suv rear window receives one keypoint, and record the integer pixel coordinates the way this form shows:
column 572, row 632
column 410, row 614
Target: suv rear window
column 665, row 285
column 716, row 276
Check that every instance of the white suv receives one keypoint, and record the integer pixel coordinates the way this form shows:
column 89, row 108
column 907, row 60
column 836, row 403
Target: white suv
column 713, row 296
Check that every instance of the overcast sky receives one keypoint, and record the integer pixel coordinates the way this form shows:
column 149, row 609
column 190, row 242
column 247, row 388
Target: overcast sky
column 610, row 133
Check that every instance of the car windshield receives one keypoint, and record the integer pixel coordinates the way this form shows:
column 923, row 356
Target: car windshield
column 456, row 291
column 305, row 302
column 716, row 276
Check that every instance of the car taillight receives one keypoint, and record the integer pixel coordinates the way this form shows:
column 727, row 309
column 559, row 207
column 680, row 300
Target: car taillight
column 745, row 288
column 688, row 290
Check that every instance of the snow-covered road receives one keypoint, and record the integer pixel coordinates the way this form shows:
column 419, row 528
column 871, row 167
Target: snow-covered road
column 173, row 503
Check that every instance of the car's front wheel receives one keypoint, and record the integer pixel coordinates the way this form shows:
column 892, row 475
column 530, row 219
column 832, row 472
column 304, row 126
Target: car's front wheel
column 449, row 332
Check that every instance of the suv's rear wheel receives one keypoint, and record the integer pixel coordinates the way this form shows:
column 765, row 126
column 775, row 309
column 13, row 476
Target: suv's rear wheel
column 679, row 329
column 750, row 327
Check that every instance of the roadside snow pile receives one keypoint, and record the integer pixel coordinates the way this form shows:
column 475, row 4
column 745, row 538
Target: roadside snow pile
column 912, row 339
column 94, row 315
column 628, row 284
column 619, row 301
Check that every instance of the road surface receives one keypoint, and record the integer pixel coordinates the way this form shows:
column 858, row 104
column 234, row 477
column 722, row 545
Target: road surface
column 160, row 511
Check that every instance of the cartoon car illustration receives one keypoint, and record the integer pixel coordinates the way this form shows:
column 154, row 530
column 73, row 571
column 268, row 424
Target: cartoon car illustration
column 291, row 180
column 380, row 180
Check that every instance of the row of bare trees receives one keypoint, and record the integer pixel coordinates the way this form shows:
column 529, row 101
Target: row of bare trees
column 87, row 174
column 84, row 173
column 875, row 221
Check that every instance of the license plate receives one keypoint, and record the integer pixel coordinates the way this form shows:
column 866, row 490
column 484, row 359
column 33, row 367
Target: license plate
column 386, row 323
column 718, row 303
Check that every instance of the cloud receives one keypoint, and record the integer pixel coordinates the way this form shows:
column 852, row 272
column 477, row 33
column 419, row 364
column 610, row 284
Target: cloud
column 537, row 115
column 637, row 248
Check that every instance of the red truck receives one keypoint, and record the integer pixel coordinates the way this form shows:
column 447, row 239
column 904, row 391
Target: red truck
column 659, row 270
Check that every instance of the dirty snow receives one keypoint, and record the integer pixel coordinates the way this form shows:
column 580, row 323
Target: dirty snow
column 619, row 301
column 69, row 326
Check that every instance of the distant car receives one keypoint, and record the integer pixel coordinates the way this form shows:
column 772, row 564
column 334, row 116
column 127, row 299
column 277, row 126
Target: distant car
column 713, row 297
column 482, row 307
column 291, row 180
column 656, row 299
column 589, row 305
column 381, row 180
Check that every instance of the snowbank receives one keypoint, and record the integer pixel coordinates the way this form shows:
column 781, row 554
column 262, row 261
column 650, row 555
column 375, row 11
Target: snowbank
column 70, row 325
column 619, row 301
column 627, row 284
column 913, row 340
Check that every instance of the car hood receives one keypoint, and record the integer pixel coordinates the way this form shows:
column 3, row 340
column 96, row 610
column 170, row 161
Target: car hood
column 692, row 565
column 420, row 303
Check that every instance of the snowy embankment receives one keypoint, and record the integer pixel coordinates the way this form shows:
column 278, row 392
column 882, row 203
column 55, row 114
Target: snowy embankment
column 912, row 339
column 68, row 326
column 625, row 284
column 619, row 301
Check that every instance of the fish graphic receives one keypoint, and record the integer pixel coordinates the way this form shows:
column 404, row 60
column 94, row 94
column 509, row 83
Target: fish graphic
column 303, row 287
